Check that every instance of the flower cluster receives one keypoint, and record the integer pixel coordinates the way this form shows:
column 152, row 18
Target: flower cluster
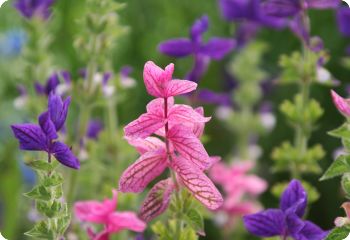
column 104, row 213
column 285, row 221
column 240, row 187
column 43, row 137
column 180, row 126
column 34, row 8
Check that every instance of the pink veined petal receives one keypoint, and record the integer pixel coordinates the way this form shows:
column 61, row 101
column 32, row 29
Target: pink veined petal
column 156, row 79
column 198, row 128
column 146, row 145
column 178, row 87
column 137, row 176
column 144, row 126
column 156, row 106
column 189, row 146
column 118, row 221
column 183, row 113
column 95, row 211
column 157, row 200
column 342, row 104
column 197, row 183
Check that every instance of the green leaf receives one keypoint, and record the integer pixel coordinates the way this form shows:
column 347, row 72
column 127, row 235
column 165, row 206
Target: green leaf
column 41, row 231
column 39, row 193
column 53, row 180
column 342, row 132
column 340, row 166
column 42, row 165
column 195, row 220
column 63, row 223
column 338, row 233
column 345, row 183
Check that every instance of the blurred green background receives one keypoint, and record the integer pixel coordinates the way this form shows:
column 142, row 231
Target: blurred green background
column 153, row 21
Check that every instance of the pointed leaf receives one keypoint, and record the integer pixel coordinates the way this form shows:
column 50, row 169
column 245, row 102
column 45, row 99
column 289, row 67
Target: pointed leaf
column 39, row 193
column 144, row 126
column 157, row 200
column 179, row 87
column 340, row 166
column 189, row 146
column 195, row 220
column 342, row 132
column 197, row 183
column 137, row 176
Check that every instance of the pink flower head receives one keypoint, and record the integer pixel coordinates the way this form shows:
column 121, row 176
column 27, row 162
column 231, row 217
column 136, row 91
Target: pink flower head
column 104, row 213
column 341, row 221
column 240, row 187
column 181, row 151
column 342, row 104
column 159, row 82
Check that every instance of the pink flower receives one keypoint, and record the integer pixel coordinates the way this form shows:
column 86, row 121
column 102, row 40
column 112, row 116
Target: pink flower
column 181, row 127
column 240, row 187
column 342, row 104
column 341, row 221
column 159, row 84
column 104, row 213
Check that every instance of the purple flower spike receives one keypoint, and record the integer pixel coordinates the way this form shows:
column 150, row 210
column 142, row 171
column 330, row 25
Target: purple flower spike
column 34, row 8
column 286, row 221
column 343, row 17
column 43, row 137
column 216, row 48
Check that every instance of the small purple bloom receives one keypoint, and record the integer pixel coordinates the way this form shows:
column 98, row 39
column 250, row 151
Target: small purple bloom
column 43, row 137
column 287, row 220
column 221, row 99
column 216, row 48
column 34, row 8
column 94, row 129
column 53, row 83
column 125, row 80
column 343, row 17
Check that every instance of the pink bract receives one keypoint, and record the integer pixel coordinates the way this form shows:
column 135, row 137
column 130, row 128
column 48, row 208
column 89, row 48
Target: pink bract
column 342, row 104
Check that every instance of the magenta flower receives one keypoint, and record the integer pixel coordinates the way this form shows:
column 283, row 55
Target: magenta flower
column 216, row 48
column 182, row 152
column 241, row 188
column 342, row 104
column 104, row 213
column 285, row 221
column 43, row 137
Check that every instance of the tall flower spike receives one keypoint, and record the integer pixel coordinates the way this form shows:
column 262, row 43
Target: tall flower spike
column 43, row 137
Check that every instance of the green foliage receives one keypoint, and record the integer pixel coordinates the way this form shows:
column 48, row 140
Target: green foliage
column 345, row 183
column 47, row 195
column 168, row 231
column 338, row 233
column 298, row 112
column 342, row 132
column 288, row 158
column 340, row 166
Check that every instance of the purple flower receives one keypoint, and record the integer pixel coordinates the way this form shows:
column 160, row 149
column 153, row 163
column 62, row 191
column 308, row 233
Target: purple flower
column 43, row 137
column 216, row 48
column 208, row 96
column 343, row 17
column 295, row 9
column 94, row 129
column 34, row 8
column 53, row 84
column 249, row 11
column 287, row 220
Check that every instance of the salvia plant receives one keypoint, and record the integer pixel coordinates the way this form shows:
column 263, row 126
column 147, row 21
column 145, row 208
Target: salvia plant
column 71, row 115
